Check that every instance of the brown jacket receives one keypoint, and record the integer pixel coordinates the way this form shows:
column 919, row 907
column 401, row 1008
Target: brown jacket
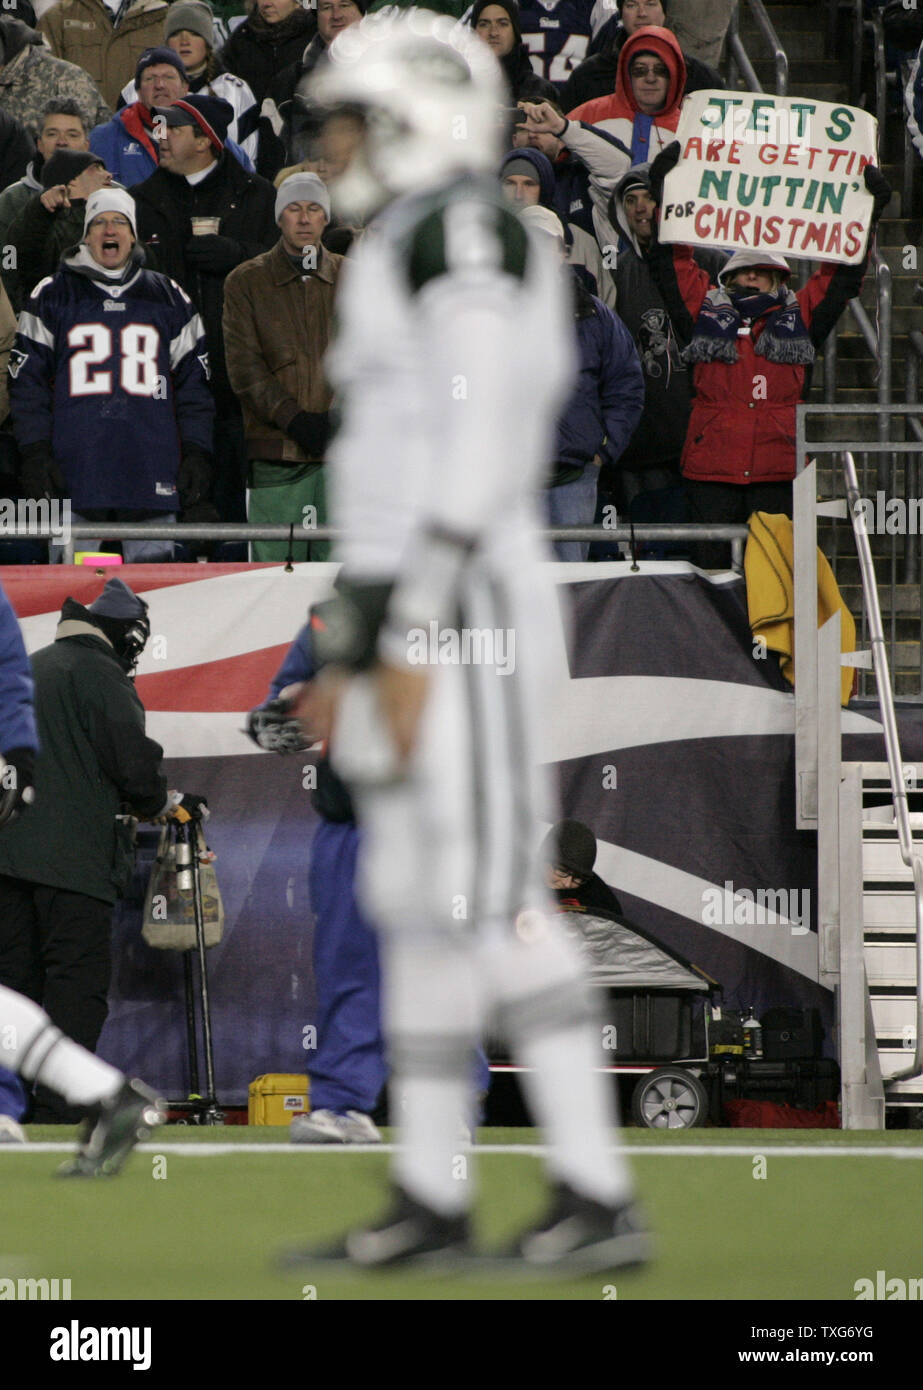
column 277, row 325
column 81, row 31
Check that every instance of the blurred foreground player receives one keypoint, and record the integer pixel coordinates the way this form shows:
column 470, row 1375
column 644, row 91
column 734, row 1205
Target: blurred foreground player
column 453, row 358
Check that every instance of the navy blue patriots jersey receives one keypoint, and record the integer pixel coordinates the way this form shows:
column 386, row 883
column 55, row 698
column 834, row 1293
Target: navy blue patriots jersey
column 116, row 378
column 557, row 35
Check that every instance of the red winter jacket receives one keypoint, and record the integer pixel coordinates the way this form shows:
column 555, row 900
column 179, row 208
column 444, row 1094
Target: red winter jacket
column 742, row 426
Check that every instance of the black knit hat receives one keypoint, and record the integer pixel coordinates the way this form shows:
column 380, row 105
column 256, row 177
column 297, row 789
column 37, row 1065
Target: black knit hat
column 154, row 57
column 511, row 7
column 66, row 165
column 570, row 845
column 118, row 601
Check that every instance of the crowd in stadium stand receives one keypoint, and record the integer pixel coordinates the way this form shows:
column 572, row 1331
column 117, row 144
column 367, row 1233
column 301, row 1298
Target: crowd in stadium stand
column 189, row 138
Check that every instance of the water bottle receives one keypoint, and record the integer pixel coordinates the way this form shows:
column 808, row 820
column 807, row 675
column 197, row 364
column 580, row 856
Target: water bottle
column 753, row 1035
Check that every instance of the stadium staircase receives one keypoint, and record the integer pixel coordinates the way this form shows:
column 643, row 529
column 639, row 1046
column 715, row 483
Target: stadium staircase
column 802, row 30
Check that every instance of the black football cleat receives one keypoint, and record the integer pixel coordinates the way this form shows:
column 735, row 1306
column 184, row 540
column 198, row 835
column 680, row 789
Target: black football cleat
column 410, row 1234
column 581, row 1236
column 110, row 1135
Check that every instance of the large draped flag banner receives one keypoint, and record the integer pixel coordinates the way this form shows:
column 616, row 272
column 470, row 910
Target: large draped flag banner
column 673, row 741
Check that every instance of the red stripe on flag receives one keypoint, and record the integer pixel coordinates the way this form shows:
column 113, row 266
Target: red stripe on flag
column 234, row 683
column 35, row 589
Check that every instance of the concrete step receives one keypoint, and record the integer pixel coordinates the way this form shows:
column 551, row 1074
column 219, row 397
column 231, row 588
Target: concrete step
column 906, row 600
column 788, row 20
column 805, row 74
column 899, row 231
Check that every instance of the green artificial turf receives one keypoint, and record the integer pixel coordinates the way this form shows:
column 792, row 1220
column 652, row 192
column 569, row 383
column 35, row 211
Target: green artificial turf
column 175, row 1226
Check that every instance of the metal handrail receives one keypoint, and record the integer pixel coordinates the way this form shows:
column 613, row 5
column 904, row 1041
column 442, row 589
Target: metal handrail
column 912, row 463
column 911, row 858
column 875, row 27
column 739, row 55
column 910, row 151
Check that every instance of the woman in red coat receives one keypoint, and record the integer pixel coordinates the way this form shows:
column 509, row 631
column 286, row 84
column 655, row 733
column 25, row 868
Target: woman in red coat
column 751, row 341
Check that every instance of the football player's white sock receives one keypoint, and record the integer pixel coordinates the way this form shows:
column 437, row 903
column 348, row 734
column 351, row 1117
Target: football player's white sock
column 431, row 1011
column 536, row 980
column 31, row 1045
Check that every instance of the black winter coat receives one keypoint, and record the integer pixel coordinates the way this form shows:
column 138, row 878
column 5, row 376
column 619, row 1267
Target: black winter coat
column 257, row 51
column 94, row 761
column 244, row 202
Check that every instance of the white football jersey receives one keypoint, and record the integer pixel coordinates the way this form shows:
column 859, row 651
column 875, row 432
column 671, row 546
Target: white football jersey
column 453, row 356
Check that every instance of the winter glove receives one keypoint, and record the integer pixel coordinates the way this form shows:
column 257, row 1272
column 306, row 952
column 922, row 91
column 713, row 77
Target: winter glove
column 194, row 477
column 186, row 806
column 40, row 475
column 274, row 729
column 16, row 779
column 216, row 255
column 665, row 161
column 310, row 431
column 880, row 189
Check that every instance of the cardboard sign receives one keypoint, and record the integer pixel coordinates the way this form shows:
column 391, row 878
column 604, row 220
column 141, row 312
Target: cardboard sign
column 767, row 173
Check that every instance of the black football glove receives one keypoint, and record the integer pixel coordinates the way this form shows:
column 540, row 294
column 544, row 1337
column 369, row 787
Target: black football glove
column 665, row 161
column 216, row 255
column 39, row 474
column 194, row 477
column 880, row 189
column 273, row 729
column 310, row 431
column 16, row 783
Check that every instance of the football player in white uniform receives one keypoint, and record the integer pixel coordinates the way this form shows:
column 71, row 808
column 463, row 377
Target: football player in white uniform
column 453, row 356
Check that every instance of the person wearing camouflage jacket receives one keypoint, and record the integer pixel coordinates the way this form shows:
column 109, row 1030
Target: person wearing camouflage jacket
column 82, row 31
column 30, row 76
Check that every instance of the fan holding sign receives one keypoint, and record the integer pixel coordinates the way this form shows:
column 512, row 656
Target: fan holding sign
column 767, row 178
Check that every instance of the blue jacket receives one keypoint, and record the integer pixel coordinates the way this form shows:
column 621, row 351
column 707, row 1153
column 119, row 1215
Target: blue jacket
column 609, row 397
column 17, row 717
column 331, row 799
column 125, row 146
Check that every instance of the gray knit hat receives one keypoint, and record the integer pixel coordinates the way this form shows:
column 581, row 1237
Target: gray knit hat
column 303, row 187
column 192, row 15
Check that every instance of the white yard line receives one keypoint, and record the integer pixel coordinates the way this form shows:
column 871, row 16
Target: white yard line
column 208, row 1150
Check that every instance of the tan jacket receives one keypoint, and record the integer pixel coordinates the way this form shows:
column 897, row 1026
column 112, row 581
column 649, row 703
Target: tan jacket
column 81, row 31
column 7, row 336
column 277, row 325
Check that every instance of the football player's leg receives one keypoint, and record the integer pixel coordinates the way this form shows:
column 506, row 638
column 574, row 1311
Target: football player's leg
column 31, row 1045
column 416, row 881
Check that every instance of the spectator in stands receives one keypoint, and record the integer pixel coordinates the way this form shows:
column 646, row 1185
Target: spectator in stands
column 648, row 475
column 105, row 39
column 296, row 120
column 572, row 198
column 128, row 143
column 30, row 76
column 596, row 76
column 739, row 454
column 52, row 221
column 643, row 111
column 278, row 314
column 189, row 29
column 569, row 852
column 557, row 34
column 602, row 413
column 201, row 215
column 64, row 863
column 496, row 22
column 109, row 395
column 63, row 126
column 640, row 117
column 271, row 38
column 16, row 151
